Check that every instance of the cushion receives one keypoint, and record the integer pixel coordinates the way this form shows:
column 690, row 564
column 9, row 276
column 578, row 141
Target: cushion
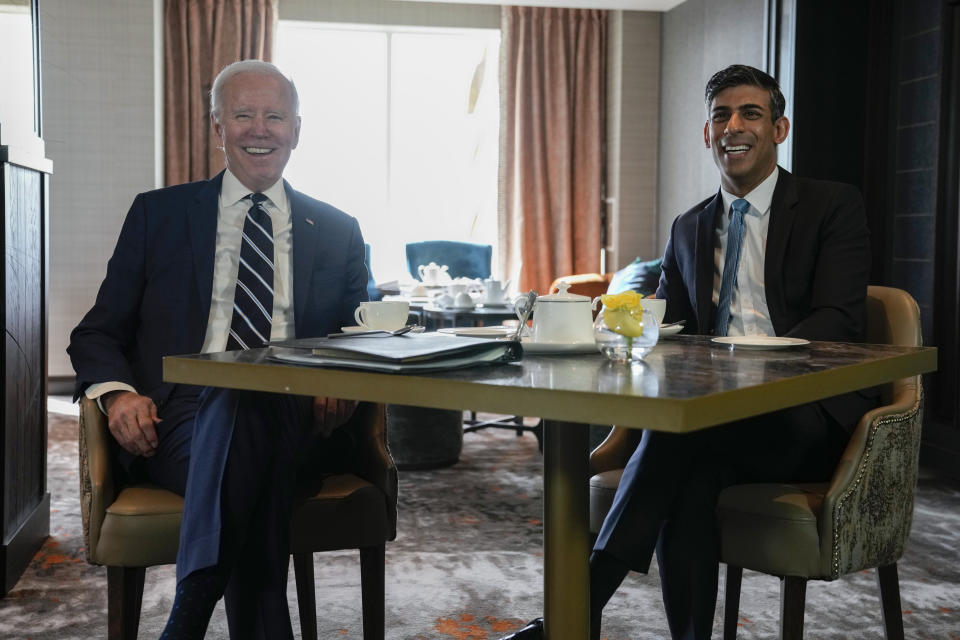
column 772, row 528
column 603, row 486
column 638, row 276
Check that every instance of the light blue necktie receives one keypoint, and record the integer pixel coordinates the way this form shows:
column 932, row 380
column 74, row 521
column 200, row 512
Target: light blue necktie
column 731, row 262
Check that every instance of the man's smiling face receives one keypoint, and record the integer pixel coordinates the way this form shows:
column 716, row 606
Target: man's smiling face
column 743, row 137
column 258, row 127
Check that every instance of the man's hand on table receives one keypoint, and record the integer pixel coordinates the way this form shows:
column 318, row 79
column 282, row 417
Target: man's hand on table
column 132, row 419
column 330, row 413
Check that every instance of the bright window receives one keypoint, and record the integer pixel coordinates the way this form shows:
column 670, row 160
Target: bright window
column 400, row 129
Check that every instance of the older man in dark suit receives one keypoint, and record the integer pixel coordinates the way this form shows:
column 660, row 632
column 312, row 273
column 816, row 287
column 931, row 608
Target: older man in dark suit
column 227, row 263
column 769, row 254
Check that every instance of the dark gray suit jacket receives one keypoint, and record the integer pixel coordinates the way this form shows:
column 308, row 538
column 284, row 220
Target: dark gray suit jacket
column 816, row 268
column 155, row 298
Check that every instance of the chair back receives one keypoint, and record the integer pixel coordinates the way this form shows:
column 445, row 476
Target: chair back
column 463, row 259
column 373, row 293
column 868, row 508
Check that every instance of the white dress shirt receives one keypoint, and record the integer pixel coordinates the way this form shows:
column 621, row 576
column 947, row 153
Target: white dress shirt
column 749, row 315
column 232, row 210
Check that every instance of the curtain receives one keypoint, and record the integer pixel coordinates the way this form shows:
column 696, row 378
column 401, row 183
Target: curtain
column 553, row 100
column 200, row 38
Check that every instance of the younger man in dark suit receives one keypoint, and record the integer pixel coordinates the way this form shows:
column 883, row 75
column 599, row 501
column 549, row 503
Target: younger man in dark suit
column 770, row 254
column 224, row 263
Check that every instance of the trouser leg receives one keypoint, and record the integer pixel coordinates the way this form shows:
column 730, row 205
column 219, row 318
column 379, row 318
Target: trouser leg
column 667, row 498
column 645, row 496
column 688, row 559
column 258, row 489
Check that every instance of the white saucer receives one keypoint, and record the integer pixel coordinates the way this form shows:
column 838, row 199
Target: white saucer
column 480, row 332
column 558, row 347
column 760, row 342
column 359, row 329
column 353, row 329
column 671, row 330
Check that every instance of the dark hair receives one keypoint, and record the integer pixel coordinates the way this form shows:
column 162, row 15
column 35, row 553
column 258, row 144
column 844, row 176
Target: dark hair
column 740, row 74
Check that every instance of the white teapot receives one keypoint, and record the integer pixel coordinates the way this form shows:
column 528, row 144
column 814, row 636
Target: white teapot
column 562, row 317
column 433, row 274
column 494, row 291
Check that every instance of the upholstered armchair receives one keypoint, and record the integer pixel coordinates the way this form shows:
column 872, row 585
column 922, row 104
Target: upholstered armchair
column 129, row 528
column 858, row 520
column 463, row 259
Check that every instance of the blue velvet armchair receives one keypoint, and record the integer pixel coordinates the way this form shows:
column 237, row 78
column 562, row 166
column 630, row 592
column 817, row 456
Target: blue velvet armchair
column 463, row 259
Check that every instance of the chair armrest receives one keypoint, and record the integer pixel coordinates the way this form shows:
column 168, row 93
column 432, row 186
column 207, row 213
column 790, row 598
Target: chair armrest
column 374, row 462
column 868, row 508
column 615, row 450
column 97, row 484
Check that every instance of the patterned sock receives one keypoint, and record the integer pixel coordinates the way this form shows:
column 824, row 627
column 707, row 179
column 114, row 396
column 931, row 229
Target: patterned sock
column 196, row 596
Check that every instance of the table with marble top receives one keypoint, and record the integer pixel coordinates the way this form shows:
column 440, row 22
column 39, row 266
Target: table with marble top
column 686, row 383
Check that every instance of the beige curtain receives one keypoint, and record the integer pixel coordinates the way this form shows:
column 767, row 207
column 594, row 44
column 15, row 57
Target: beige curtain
column 200, row 38
column 553, row 98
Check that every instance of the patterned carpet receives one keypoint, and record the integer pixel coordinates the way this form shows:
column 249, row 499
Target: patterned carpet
column 468, row 565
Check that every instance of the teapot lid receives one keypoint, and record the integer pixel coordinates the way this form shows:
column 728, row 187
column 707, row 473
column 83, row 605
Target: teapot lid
column 562, row 295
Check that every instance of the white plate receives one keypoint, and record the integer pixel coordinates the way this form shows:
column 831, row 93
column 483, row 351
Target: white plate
column 479, row 332
column 670, row 331
column 760, row 342
column 558, row 347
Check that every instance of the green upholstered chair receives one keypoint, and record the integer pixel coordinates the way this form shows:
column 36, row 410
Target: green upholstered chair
column 858, row 520
column 129, row 528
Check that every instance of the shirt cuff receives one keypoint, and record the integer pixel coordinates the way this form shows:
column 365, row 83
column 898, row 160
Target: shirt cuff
column 100, row 389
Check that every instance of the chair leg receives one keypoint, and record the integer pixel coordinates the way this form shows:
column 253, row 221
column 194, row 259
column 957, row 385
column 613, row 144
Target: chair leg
column 890, row 599
column 793, row 595
column 306, row 594
column 372, row 561
column 124, row 597
column 731, row 601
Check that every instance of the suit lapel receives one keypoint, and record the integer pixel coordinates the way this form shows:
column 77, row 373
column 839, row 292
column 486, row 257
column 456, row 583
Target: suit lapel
column 306, row 234
column 706, row 224
column 202, row 215
column 783, row 214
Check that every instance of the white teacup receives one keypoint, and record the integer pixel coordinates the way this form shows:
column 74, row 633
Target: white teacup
column 656, row 306
column 385, row 315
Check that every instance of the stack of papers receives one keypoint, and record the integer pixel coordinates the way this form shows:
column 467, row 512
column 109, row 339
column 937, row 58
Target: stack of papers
column 397, row 354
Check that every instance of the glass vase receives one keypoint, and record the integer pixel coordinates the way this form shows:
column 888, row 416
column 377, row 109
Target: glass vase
column 621, row 339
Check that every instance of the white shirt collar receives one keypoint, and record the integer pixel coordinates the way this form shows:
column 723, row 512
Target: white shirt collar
column 232, row 191
column 760, row 198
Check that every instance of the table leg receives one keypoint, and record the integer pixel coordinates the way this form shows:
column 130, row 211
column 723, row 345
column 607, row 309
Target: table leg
column 566, row 537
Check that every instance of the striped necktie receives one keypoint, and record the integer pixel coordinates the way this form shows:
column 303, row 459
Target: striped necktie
column 253, row 300
column 731, row 263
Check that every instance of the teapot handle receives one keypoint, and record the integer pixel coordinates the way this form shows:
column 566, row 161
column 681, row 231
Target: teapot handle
column 420, row 270
column 593, row 305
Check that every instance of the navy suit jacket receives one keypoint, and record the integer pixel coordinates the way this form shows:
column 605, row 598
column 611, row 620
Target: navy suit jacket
column 816, row 269
column 155, row 298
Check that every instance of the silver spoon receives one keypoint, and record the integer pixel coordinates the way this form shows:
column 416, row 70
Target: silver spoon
column 375, row 332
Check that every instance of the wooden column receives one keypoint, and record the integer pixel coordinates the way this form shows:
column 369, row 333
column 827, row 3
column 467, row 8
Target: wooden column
column 24, row 500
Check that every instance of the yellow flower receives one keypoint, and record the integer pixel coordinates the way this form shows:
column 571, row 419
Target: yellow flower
column 626, row 322
column 626, row 300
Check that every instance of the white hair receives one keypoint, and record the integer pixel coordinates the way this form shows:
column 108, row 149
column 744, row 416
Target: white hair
column 248, row 66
